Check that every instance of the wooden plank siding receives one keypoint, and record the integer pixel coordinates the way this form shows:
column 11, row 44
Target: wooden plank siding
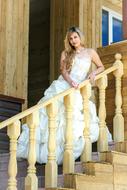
column 14, row 25
column 115, row 5
column 107, row 56
column 63, row 14
column 90, row 22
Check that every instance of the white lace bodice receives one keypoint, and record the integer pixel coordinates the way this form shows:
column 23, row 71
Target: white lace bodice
column 81, row 67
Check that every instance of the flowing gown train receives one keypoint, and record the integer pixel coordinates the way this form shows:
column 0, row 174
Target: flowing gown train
column 78, row 73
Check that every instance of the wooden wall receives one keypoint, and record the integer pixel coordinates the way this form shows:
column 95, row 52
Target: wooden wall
column 90, row 22
column 64, row 13
column 14, row 19
column 115, row 5
column 87, row 14
column 39, row 45
column 107, row 56
column 45, row 28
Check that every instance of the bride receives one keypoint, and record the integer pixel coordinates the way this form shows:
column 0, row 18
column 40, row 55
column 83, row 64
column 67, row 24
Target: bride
column 75, row 64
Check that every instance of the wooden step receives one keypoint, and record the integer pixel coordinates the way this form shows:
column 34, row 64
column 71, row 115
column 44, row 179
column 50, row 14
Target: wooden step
column 98, row 169
column 119, row 162
column 87, row 182
column 58, row 188
column 109, row 174
column 114, row 157
column 121, row 146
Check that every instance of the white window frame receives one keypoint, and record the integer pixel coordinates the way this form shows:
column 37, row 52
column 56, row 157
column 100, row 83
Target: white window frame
column 112, row 14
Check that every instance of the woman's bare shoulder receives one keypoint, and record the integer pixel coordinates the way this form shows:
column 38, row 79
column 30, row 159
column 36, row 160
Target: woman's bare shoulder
column 90, row 50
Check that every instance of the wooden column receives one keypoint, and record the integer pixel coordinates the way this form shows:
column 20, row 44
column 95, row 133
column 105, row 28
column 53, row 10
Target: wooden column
column 124, row 7
column 14, row 21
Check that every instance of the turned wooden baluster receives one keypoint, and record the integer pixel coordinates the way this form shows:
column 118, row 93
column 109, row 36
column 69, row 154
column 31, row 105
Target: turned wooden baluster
column 31, row 181
column 87, row 152
column 118, row 120
column 103, row 136
column 51, row 166
column 13, row 133
column 68, row 161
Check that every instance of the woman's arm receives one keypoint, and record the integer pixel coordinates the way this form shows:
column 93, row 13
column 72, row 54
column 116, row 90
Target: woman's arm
column 96, row 60
column 65, row 73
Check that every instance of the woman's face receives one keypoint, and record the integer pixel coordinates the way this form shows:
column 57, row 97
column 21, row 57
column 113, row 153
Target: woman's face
column 74, row 40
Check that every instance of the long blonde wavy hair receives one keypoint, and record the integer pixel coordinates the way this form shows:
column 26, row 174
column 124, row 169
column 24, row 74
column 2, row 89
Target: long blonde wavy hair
column 69, row 49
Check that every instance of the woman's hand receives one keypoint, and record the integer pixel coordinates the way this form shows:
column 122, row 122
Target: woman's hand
column 74, row 84
column 92, row 76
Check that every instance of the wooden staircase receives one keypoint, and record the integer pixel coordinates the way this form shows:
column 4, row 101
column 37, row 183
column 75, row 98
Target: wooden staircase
column 108, row 174
column 107, row 171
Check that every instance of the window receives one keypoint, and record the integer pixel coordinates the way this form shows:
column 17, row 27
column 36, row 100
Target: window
column 111, row 27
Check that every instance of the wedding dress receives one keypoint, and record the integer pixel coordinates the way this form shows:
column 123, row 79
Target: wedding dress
column 79, row 72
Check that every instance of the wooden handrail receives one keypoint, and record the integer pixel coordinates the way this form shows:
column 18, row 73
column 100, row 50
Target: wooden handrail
column 107, row 71
column 47, row 102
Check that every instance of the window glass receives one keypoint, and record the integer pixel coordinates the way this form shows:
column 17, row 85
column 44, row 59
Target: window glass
column 117, row 30
column 111, row 27
column 105, row 35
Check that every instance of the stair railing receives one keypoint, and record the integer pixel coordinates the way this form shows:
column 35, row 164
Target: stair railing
column 32, row 118
column 118, row 120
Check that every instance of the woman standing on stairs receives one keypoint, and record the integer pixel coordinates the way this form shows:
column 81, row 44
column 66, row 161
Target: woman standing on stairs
column 75, row 64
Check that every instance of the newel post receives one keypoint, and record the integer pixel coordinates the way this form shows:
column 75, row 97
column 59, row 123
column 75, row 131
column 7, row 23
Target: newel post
column 118, row 120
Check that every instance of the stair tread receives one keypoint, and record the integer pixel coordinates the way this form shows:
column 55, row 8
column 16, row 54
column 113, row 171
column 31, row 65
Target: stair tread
column 57, row 188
